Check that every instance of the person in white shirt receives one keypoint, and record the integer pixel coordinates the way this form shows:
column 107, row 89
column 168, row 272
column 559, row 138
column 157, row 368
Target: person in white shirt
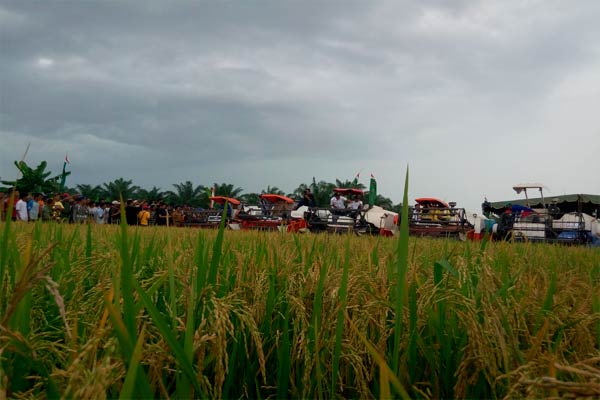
column 355, row 205
column 338, row 202
column 21, row 209
column 33, row 207
column 106, row 213
column 97, row 213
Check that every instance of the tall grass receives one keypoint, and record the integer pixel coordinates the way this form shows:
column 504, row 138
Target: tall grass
column 169, row 312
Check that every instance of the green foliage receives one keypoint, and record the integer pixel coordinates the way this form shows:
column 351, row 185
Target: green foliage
column 322, row 192
column 153, row 195
column 227, row 190
column 91, row 192
column 180, row 313
column 39, row 180
column 349, row 184
column 249, row 198
column 386, row 203
column 120, row 188
column 273, row 190
column 188, row 194
column 34, row 179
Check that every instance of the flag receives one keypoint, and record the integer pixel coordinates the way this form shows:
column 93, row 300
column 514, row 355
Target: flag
column 372, row 191
column 355, row 181
column 67, row 159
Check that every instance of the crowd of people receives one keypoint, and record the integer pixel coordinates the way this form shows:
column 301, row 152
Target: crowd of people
column 77, row 209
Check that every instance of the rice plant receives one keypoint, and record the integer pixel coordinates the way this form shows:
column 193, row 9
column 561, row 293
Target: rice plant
column 107, row 311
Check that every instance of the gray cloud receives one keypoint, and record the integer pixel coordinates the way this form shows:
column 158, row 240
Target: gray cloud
column 475, row 96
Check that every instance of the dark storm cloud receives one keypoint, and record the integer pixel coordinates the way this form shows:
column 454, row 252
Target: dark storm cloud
column 236, row 90
column 153, row 77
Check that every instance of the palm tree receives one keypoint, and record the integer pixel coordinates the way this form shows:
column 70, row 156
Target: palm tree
column 249, row 198
column 349, row 184
column 188, row 194
column 227, row 190
column 322, row 192
column 273, row 190
column 382, row 201
column 89, row 191
column 153, row 195
column 299, row 191
column 120, row 188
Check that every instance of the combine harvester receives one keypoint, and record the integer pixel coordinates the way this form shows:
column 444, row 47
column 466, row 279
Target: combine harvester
column 272, row 213
column 436, row 218
column 569, row 219
column 211, row 218
column 368, row 219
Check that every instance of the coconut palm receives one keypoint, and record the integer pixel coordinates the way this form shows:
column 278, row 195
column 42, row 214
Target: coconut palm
column 298, row 193
column 383, row 202
column 273, row 190
column 89, row 191
column 227, row 190
column 119, row 188
column 349, row 184
column 249, row 198
column 153, row 195
column 322, row 192
column 188, row 194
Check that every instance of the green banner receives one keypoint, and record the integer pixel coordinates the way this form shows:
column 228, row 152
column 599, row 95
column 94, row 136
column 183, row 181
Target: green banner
column 372, row 191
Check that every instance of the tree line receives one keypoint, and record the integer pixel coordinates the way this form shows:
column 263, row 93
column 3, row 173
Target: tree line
column 38, row 180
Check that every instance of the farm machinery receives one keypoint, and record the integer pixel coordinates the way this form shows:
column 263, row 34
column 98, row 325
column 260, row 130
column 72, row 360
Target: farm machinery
column 211, row 218
column 569, row 219
column 358, row 218
column 272, row 213
column 436, row 218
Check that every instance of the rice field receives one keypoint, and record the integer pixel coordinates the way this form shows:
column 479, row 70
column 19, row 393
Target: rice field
column 93, row 311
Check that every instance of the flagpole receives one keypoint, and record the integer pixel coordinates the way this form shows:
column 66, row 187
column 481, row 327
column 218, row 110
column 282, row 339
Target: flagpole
column 212, row 202
column 63, row 176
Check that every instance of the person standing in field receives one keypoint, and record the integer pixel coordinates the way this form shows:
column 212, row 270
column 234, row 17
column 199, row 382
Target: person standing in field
column 66, row 214
column 21, row 209
column 13, row 197
column 47, row 210
column 106, row 208
column 97, row 213
column 115, row 212
column 144, row 216
column 80, row 211
column 179, row 217
column 162, row 214
column 131, row 212
column 57, row 207
column 57, row 210
column 33, row 207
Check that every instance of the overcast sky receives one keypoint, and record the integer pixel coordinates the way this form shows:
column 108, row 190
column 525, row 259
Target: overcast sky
column 473, row 96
